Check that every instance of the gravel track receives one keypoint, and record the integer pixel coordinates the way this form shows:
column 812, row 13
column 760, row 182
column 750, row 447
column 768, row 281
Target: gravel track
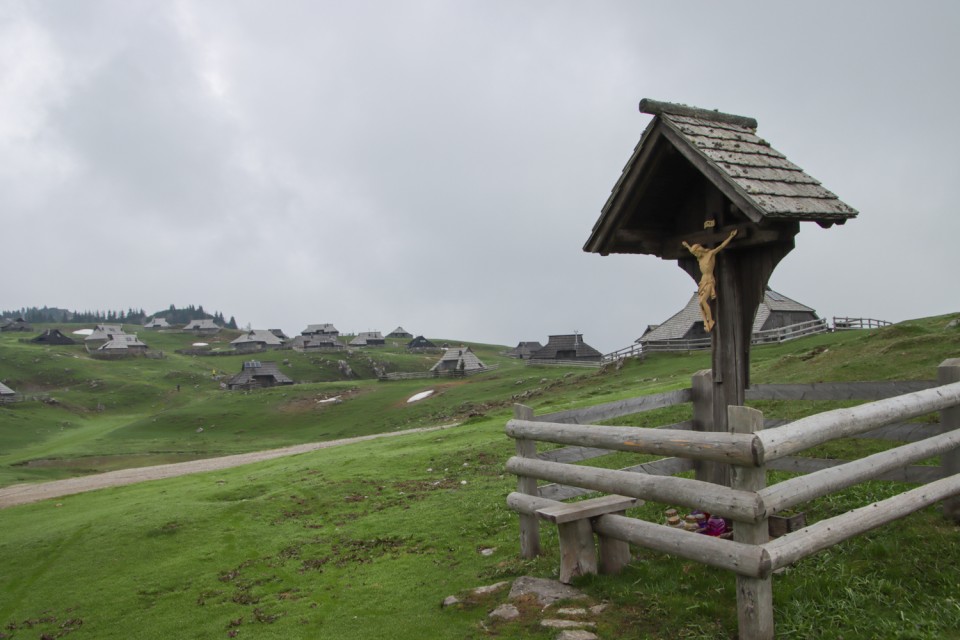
column 26, row 493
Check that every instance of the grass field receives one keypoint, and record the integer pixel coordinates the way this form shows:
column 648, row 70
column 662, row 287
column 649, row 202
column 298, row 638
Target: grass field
column 364, row 541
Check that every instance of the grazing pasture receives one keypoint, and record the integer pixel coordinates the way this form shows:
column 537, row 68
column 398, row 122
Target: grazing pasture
column 365, row 540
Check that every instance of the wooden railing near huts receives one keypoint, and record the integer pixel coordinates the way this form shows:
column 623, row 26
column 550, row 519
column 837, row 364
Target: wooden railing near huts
column 452, row 373
column 767, row 336
column 841, row 324
column 751, row 450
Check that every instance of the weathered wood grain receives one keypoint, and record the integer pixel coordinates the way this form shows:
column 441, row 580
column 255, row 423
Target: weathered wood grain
column 606, row 411
column 949, row 372
column 799, row 544
column 567, row 512
column 909, row 475
column 837, row 390
column 794, row 491
column 529, row 525
column 711, row 498
column 754, row 594
column 843, row 423
column 743, row 559
column 664, row 467
column 719, row 447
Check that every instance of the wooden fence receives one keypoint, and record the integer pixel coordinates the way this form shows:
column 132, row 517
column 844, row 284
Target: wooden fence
column 841, row 324
column 452, row 373
column 750, row 450
column 587, row 364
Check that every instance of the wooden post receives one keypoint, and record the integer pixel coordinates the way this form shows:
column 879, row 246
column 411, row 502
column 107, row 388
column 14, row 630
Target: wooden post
column 702, row 388
column 949, row 371
column 741, row 278
column 614, row 553
column 529, row 524
column 754, row 595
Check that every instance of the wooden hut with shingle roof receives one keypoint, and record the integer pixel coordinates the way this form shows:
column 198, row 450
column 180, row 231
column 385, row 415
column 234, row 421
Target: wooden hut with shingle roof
column 256, row 374
column 524, row 350
column 400, row 332
column 458, row 359
column 684, row 330
column 53, row 336
column 567, row 347
column 256, row 340
column 7, row 394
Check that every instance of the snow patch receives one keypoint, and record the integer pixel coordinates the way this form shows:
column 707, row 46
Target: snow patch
column 83, row 332
column 420, row 396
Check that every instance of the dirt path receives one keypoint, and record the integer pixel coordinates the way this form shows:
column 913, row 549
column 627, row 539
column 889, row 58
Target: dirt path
column 26, row 493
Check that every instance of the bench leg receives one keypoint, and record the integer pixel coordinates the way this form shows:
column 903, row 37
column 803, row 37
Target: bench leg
column 614, row 554
column 578, row 554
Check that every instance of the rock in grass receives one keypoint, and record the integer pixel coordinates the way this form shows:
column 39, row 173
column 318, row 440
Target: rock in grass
column 576, row 634
column 505, row 612
column 545, row 591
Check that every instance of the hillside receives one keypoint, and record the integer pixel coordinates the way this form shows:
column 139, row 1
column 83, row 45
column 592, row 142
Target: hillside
column 364, row 541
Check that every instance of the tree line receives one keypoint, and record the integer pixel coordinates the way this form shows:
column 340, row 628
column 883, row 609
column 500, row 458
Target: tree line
column 173, row 315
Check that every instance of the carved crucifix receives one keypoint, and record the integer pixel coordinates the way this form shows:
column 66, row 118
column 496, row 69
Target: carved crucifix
column 707, row 289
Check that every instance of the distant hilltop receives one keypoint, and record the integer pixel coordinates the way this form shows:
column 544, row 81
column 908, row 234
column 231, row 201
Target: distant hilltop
column 173, row 315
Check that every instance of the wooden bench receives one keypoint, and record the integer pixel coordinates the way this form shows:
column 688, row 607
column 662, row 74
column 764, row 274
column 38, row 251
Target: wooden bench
column 578, row 552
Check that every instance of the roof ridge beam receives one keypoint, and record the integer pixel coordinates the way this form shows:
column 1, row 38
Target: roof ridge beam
column 656, row 108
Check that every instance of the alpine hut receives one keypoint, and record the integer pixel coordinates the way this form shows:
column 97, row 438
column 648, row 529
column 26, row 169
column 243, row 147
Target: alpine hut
column 684, row 331
column 368, row 339
column 567, row 347
column 458, row 360
column 14, row 324
column 420, row 344
column 400, row 332
column 53, row 336
column 524, row 350
column 256, row 340
column 157, row 322
column 7, row 394
column 256, row 374
column 202, row 327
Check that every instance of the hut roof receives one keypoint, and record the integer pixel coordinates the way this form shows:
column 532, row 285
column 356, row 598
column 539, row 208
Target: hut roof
column 53, row 336
column 399, row 332
column 420, row 343
column 367, row 337
column 677, row 325
column 254, row 369
column 566, row 342
column 681, row 141
column 105, row 332
column 261, row 336
column 524, row 349
column 6, row 391
column 319, row 328
column 203, row 323
column 459, row 358
column 156, row 323
column 122, row 342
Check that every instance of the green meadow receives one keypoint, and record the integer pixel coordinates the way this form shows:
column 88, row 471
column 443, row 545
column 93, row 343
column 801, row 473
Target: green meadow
column 365, row 540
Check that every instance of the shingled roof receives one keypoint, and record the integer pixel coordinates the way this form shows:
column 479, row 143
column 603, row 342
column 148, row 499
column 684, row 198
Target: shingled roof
column 679, row 325
column 680, row 141
column 566, row 347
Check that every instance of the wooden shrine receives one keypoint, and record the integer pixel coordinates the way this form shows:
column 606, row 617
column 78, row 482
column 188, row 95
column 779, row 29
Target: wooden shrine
column 703, row 189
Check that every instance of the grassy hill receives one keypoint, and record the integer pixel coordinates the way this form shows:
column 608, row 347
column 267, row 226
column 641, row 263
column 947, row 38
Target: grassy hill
column 364, row 541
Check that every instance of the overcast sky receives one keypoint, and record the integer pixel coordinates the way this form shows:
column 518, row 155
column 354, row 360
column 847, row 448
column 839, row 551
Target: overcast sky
column 439, row 165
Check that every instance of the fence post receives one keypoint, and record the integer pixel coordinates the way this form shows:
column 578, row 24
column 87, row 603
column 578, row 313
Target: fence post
column 949, row 371
column 702, row 391
column 529, row 524
column 754, row 595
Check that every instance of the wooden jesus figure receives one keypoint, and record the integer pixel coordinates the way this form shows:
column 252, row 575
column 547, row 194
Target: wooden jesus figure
column 707, row 290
